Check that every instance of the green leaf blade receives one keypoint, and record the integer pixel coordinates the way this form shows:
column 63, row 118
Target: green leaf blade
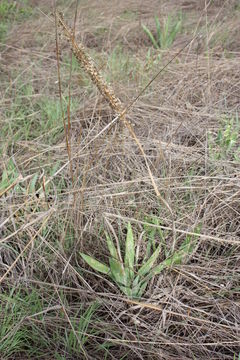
column 145, row 269
column 95, row 264
column 159, row 32
column 118, row 272
column 151, row 37
column 129, row 251
column 32, row 184
column 158, row 269
column 187, row 248
column 111, row 247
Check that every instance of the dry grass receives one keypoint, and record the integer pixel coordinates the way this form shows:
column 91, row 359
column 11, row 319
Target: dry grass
column 52, row 304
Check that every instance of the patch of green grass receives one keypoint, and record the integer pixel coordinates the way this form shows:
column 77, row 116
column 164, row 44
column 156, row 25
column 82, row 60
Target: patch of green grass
column 18, row 115
column 75, row 64
column 14, row 9
column 27, row 189
column 50, row 119
column 28, row 117
column 81, row 324
column 73, row 339
column 50, row 116
column 152, row 59
column 220, row 36
column 3, row 30
column 8, row 176
column 23, row 326
column 121, row 66
column 10, row 11
column 165, row 33
column 17, row 334
column 77, row 72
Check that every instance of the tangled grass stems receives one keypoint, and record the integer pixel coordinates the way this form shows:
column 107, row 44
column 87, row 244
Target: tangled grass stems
column 107, row 92
column 190, row 311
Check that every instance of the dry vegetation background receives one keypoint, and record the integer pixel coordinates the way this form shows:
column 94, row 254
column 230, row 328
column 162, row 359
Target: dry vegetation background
column 52, row 304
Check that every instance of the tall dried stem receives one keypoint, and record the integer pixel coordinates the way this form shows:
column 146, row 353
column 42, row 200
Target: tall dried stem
column 107, row 92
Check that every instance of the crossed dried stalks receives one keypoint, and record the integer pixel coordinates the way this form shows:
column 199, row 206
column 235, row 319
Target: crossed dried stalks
column 107, row 92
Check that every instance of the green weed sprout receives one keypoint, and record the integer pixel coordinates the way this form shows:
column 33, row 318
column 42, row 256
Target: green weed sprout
column 226, row 140
column 131, row 278
column 165, row 35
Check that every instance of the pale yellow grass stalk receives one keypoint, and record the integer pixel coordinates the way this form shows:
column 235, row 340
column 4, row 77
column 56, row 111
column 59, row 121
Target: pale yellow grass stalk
column 107, row 92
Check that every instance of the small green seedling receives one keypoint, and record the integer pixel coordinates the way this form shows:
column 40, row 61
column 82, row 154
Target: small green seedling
column 166, row 34
column 227, row 140
column 132, row 278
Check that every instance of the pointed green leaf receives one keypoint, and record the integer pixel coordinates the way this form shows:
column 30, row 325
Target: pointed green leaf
column 185, row 245
column 118, row 272
column 129, row 276
column 136, row 281
column 190, row 242
column 32, row 184
column 4, row 180
column 145, row 269
column 158, row 269
column 186, row 248
column 139, row 286
column 95, row 264
column 129, row 251
column 151, row 37
column 119, row 275
column 176, row 258
column 148, row 251
column 126, row 290
column 173, row 260
column 141, row 290
column 111, row 247
column 150, row 235
column 158, row 26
